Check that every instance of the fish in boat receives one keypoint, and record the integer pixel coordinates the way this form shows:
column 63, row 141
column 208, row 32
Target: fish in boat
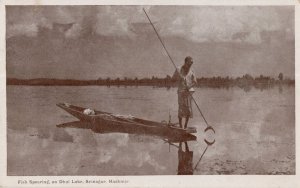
column 103, row 122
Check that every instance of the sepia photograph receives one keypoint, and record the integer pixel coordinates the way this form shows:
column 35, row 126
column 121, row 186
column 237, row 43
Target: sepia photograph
column 139, row 90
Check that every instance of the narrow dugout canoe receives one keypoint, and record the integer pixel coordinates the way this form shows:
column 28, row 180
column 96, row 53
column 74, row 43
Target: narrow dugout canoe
column 103, row 122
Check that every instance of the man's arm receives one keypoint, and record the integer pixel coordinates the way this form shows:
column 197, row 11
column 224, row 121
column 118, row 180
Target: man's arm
column 194, row 81
column 176, row 76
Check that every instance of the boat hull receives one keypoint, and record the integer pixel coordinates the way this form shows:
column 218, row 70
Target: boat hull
column 103, row 122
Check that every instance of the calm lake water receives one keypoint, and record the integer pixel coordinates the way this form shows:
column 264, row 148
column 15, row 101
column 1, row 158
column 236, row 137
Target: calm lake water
column 255, row 132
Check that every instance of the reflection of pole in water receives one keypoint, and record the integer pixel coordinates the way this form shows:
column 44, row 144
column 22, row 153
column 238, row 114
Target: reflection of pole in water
column 185, row 160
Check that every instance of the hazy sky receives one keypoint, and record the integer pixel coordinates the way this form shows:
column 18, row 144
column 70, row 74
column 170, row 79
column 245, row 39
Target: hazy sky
column 193, row 22
column 197, row 24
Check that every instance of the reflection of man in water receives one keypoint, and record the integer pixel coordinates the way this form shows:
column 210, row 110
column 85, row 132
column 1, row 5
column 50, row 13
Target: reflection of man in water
column 185, row 160
column 186, row 81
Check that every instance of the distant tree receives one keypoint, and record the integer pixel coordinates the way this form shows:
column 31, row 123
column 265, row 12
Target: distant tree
column 108, row 81
column 99, row 81
column 248, row 77
column 117, row 81
column 280, row 76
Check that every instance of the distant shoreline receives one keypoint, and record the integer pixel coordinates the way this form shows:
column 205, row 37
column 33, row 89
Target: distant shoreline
column 244, row 82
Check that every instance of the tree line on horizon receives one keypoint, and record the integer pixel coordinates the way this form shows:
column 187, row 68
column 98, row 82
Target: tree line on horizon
column 216, row 82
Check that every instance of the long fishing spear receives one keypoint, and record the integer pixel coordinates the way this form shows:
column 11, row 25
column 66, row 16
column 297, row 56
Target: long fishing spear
column 208, row 127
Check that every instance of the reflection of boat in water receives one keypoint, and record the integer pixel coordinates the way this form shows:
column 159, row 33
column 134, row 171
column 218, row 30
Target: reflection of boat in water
column 103, row 122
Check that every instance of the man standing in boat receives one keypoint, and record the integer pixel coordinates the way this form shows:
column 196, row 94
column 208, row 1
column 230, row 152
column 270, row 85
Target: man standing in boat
column 186, row 79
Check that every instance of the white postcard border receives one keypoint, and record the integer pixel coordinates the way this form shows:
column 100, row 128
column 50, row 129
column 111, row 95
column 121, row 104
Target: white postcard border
column 149, row 181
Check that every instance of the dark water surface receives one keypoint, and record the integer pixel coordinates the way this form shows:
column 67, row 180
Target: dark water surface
column 255, row 132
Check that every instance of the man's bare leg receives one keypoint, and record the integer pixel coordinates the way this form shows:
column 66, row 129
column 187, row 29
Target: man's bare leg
column 186, row 121
column 180, row 121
